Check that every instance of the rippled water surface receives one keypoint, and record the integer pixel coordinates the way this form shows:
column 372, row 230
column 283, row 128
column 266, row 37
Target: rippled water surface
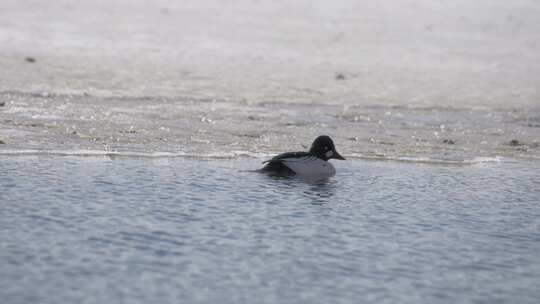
column 170, row 230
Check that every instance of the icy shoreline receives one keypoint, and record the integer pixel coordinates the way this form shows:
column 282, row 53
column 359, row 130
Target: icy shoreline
column 183, row 127
column 416, row 80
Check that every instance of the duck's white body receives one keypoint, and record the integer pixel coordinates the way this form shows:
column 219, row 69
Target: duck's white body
column 310, row 166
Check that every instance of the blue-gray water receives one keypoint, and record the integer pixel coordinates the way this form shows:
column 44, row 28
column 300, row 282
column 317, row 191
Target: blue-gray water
column 170, row 230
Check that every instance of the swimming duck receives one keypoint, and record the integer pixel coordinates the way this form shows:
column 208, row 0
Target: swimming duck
column 312, row 164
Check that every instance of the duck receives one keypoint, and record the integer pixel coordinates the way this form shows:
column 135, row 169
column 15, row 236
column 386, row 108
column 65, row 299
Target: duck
column 311, row 164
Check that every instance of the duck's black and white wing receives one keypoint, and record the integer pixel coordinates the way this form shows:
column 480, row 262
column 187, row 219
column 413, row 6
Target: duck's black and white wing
column 276, row 165
column 301, row 163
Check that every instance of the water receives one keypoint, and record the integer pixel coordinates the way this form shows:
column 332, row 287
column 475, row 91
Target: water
column 169, row 230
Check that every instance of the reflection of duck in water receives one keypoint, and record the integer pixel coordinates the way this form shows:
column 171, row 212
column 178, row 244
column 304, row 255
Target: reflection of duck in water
column 312, row 164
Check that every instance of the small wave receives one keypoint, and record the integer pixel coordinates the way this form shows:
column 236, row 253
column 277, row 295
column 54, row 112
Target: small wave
column 127, row 154
column 239, row 154
column 430, row 160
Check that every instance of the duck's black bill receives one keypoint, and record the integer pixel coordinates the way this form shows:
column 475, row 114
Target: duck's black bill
column 337, row 155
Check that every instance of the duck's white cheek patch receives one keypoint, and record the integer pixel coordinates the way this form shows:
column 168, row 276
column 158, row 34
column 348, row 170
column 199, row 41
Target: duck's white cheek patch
column 329, row 154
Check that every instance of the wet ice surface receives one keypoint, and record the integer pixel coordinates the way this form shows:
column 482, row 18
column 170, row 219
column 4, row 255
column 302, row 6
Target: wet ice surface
column 85, row 124
column 421, row 79
column 417, row 52
column 130, row 230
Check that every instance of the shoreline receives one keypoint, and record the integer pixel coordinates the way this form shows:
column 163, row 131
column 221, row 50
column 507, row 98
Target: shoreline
column 238, row 155
column 187, row 127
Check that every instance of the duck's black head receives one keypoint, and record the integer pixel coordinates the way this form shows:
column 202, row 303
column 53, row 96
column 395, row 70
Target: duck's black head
column 323, row 147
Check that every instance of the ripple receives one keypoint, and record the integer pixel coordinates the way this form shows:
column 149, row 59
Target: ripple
column 207, row 229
